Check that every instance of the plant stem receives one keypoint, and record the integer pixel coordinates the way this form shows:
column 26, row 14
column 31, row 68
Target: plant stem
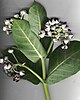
column 43, row 68
column 50, row 46
column 45, row 86
column 46, row 91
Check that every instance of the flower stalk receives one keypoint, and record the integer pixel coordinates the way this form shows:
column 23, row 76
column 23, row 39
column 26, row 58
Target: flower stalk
column 21, row 65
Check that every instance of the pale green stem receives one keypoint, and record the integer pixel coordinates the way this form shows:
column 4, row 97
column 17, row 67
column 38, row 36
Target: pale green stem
column 15, row 57
column 46, row 91
column 45, row 86
column 43, row 68
column 50, row 46
column 30, row 71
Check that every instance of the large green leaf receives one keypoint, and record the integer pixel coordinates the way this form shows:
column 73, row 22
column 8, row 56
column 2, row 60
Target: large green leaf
column 36, row 67
column 37, row 17
column 64, row 63
column 27, row 41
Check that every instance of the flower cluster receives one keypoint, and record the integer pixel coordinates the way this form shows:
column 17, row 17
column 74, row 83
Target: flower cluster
column 20, row 15
column 58, row 31
column 8, row 23
column 18, row 75
column 8, row 26
column 10, row 68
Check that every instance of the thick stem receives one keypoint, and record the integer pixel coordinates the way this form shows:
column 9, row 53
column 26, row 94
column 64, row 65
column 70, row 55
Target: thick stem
column 45, row 86
column 43, row 68
column 46, row 91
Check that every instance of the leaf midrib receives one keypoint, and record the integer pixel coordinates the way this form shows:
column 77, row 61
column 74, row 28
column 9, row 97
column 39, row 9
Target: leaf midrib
column 29, row 41
column 62, row 62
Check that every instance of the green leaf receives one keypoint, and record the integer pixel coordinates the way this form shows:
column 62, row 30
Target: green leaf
column 36, row 67
column 26, row 41
column 37, row 17
column 64, row 63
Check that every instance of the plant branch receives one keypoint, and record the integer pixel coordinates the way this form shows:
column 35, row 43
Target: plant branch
column 30, row 71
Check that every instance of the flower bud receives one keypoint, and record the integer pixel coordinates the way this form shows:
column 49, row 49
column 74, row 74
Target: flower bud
column 22, row 13
column 16, row 16
column 10, row 51
column 5, row 28
column 21, row 73
column 7, row 67
column 42, row 34
column 7, row 22
column 66, row 41
column 1, row 60
column 64, row 47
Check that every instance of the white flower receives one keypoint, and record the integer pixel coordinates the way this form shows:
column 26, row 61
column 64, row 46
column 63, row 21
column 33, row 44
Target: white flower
column 9, row 26
column 16, row 16
column 64, row 47
column 53, row 28
column 42, row 34
column 5, row 28
column 7, row 32
column 1, row 60
column 47, row 25
column 50, row 23
column 64, row 27
column 49, row 33
column 55, row 22
column 21, row 73
column 7, row 22
column 10, row 51
column 66, row 34
column 54, row 39
column 7, row 67
column 71, row 36
column 47, row 29
column 66, row 41
column 11, row 20
column 5, row 58
column 22, row 13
